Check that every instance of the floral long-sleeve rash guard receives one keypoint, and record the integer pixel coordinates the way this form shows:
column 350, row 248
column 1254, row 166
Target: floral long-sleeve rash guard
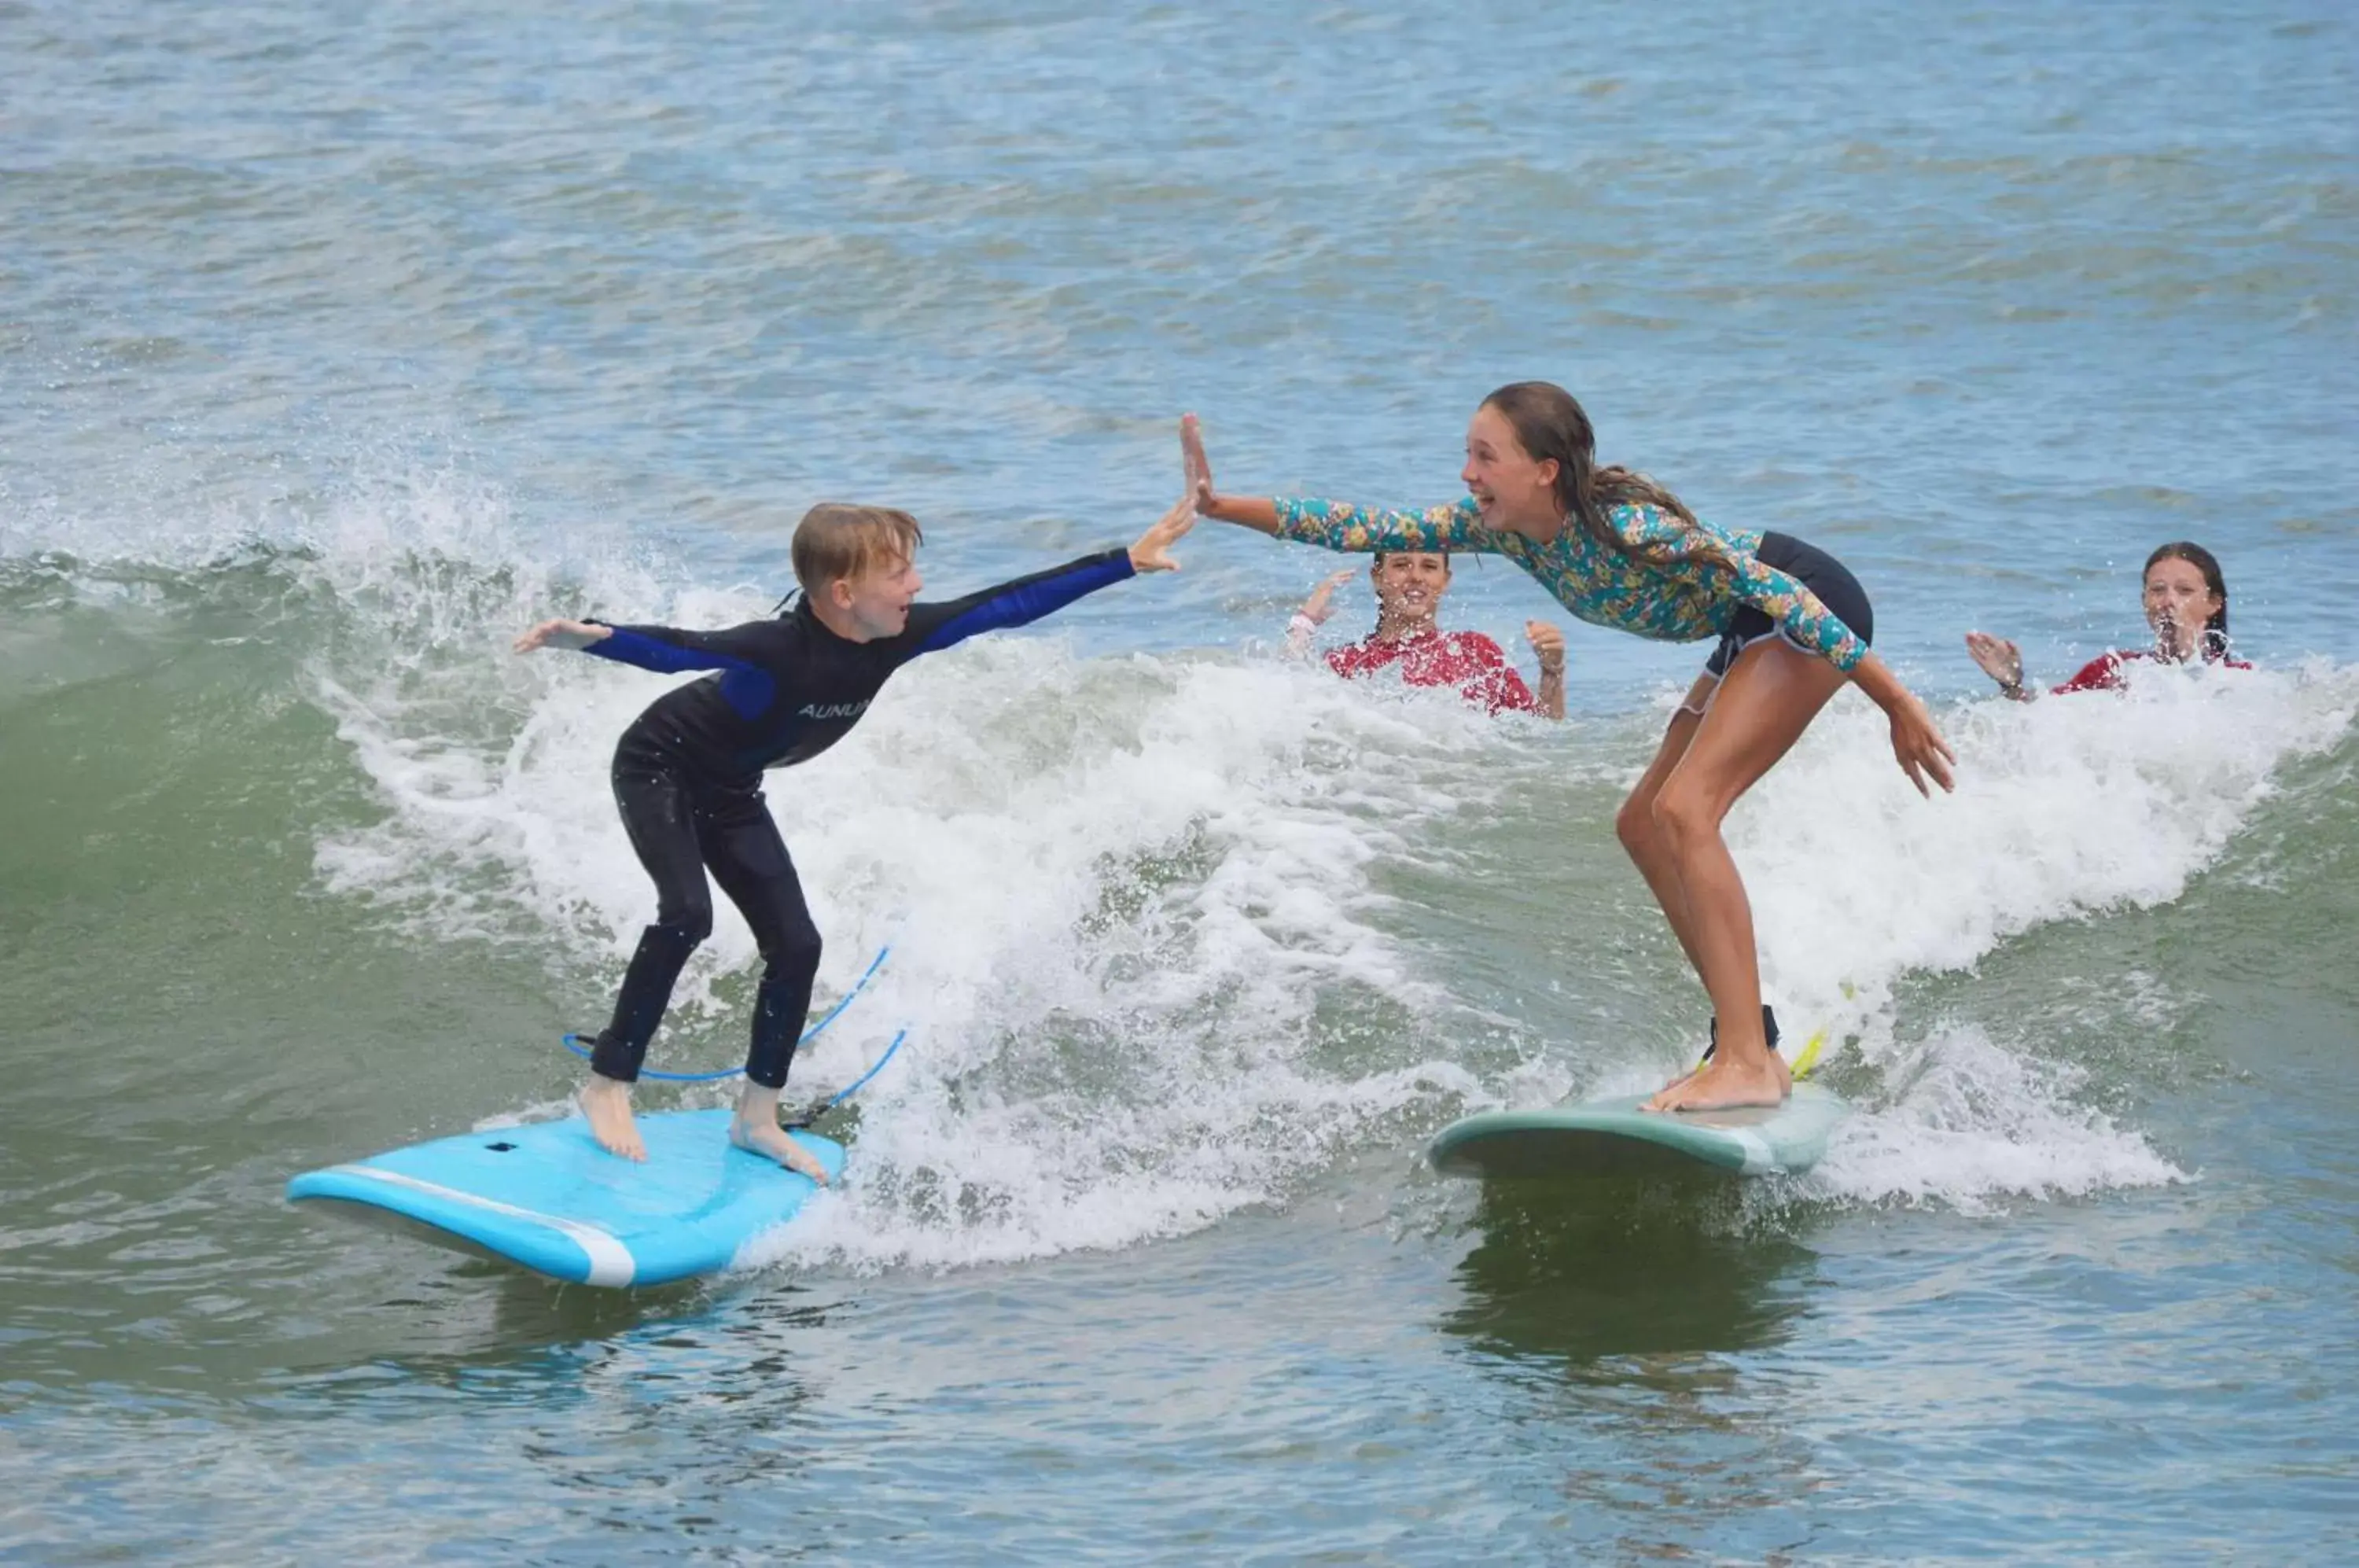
column 1704, row 575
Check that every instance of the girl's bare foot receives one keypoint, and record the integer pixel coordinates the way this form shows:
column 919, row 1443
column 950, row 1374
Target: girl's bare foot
column 607, row 1103
column 1724, row 1083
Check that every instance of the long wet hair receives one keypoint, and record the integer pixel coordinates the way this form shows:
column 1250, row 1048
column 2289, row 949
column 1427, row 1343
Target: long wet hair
column 1550, row 424
column 2215, row 643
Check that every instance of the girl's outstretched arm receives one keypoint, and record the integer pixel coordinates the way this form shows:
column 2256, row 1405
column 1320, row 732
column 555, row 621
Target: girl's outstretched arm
column 1256, row 512
column 1336, row 525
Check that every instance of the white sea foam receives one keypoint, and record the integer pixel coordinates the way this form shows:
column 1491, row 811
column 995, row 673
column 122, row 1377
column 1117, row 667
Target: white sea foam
column 1141, row 937
column 1124, row 898
column 2064, row 809
column 1971, row 1124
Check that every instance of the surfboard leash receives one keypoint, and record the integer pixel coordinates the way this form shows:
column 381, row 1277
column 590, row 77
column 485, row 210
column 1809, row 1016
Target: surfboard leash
column 575, row 1042
column 823, row 1107
column 1800, row 1068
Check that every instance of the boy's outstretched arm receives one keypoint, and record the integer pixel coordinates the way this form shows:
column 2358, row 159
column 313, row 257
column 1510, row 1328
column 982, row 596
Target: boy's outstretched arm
column 933, row 628
column 666, row 650
column 563, row 633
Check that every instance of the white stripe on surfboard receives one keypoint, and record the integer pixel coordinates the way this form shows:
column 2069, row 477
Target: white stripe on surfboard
column 611, row 1262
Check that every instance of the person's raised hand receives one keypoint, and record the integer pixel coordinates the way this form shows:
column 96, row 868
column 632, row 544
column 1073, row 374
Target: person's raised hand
column 1321, row 603
column 1153, row 550
column 1197, row 467
column 1547, row 642
column 2000, row 659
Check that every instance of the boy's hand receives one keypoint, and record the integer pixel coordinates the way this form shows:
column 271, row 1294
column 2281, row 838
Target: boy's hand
column 563, row 634
column 1547, row 642
column 1152, row 553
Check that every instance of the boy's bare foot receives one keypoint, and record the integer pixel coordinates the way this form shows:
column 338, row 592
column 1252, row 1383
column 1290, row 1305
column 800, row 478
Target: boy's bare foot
column 1724, row 1083
column 755, row 1128
column 763, row 1136
column 607, row 1103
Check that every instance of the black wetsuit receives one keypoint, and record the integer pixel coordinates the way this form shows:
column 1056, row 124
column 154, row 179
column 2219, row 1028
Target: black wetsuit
column 687, row 778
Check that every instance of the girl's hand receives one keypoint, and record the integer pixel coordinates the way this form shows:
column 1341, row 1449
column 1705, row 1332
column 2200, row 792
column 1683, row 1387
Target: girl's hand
column 2000, row 659
column 1547, row 642
column 1321, row 604
column 1258, row 513
column 1919, row 746
column 1152, row 553
column 1196, row 465
column 563, row 634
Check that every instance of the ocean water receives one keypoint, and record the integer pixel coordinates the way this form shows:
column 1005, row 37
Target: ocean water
column 337, row 343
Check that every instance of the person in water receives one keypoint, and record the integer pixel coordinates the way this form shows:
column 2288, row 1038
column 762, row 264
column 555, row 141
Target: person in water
column 1409, row 586
column 1617, row 549
column 2186, row 606
column 687, row 772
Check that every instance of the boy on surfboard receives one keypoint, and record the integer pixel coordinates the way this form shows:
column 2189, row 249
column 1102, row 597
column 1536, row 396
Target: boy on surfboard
column 687, row 772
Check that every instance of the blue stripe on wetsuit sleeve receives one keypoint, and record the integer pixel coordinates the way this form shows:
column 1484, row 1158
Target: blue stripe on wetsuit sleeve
column 625, row 645
column 1026, row 603
column 746, row 686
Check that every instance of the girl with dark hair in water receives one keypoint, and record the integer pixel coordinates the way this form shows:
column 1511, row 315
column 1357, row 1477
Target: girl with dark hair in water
column 1617, row 549
column 2185, row 604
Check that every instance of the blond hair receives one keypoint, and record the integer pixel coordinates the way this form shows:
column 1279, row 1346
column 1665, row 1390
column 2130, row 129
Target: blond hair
column 837, row 540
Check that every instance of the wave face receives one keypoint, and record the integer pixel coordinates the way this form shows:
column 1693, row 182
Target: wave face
column 337, row 345
column 1175, row 933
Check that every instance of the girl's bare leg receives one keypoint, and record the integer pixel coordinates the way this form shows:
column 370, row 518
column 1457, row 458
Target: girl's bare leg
column 1769, row 697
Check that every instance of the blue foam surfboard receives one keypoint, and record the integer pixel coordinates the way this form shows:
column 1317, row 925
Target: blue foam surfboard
column 1614, row 1137
column 547, row 1196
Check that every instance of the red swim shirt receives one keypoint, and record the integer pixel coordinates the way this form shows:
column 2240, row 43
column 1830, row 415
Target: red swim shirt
column 2104, row 673
column 1468, row 660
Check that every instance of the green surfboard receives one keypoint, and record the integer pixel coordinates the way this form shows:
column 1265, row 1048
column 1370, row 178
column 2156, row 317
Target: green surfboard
column 1614, row 1137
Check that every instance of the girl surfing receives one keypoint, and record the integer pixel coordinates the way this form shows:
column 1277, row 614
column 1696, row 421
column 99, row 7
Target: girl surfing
column 1618, row 549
